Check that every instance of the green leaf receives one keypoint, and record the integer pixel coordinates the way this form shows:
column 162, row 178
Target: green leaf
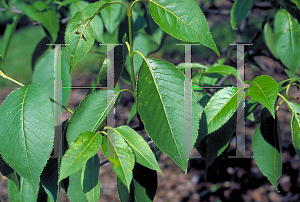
column 75, row 192
column 90, row 114
column 184, row 20
column 96, row 23
column 160, row 102
column 291, row 75
column 295, row 125
column 213, row 144
column 84, row 147
column 112, row 16
column 221, row 107
column 223, row 70
column 120, row 155
column 66, row 2
column 43, row 74
column 8, row 34
column 26, row 193
column 44, row 14
column 27, row 131
column 49, row 178
column 90, row 182
column 264, row 89
column 120, row 53
column 13, row 191
column 269, row 39
column 267, row 151
column 139, row 146
column 287, row 39
column 79, row 32
column 181, row 66
column 140, row 43
column 142, row 188
column 132, row 113
column 297, row 2
column 239, row 11
column 10, row 173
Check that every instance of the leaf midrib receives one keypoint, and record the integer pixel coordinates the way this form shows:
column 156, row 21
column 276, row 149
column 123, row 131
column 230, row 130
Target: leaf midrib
column 23, row 132
column 81, row 153
column 263, row 94
column 182, row 21
column 156, row 86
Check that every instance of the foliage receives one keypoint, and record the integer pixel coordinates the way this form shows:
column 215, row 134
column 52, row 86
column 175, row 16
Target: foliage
column 160, row 92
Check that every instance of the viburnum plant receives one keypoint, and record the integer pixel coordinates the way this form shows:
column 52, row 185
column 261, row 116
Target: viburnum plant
column 159, row 90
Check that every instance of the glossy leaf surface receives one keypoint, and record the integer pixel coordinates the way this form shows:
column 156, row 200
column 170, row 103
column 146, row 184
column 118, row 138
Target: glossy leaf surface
column 96, row 23
column 120, row 155
column 160, row 102
column 267, row 151
column 75, row 192
column 264, row 90
column 239, row 11
column 142, row 188
column 27, row 131
column 89, row 115
column 79, row 32
column 287, row 39
column 84, row 147
column 139, row 146
column 90, row 182
column 182, row 19
column 221, row 107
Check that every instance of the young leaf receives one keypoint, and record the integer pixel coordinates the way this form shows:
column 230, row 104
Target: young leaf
column 239, row 11
column 112, row 16
column 223, row 70
column 84, row 147
column 27, row 131
column 142, row 188
column 41, row 12
column 139, row 146
column 264, row 89
column 79, row 32
column 269, row 39
column 75, row 192
column 96, row 23
column 266, row 144
column 221, row 107
column 160, row 102
column 90, row 114
column 181, row 66
column 287, row 30
column 120, row 154
column 184, row 20
column 90, row 182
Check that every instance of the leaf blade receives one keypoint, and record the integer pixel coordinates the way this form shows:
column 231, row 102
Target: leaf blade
column 180, row 18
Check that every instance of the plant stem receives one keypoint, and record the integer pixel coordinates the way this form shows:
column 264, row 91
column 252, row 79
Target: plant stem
column 20, row 84
column 285, row 100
